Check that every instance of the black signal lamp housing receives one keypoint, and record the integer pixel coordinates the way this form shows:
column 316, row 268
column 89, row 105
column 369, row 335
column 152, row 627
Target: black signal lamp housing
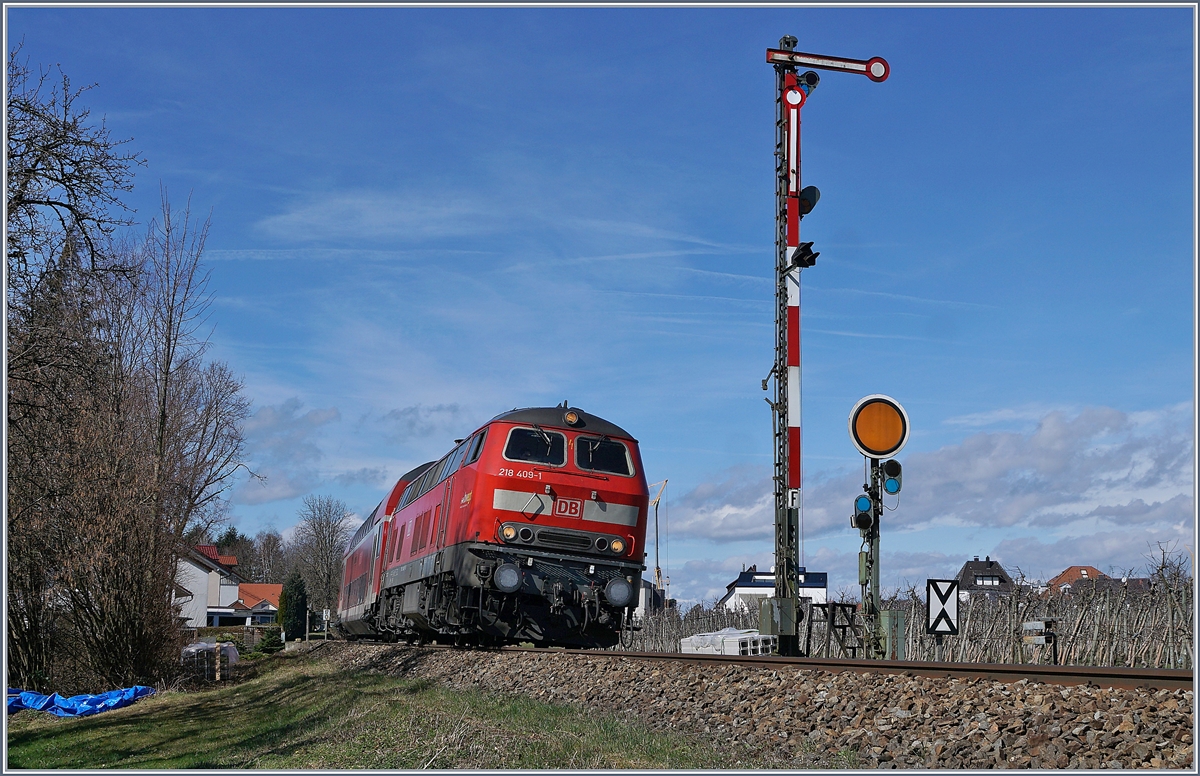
column 809, row 196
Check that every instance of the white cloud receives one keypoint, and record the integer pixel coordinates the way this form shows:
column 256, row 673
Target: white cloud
column 739, row 507
column 1113, row 552
column 422, row 420
column 1095, row 488
column 381, row 215
column 367, row 475
column 274, row 483
column 280, row 433
column 1066, row 469
column 282, row 451
column 1024, row 415
column 705, row 580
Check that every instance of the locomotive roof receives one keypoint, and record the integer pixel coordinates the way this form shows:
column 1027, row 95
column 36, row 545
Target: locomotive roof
column 417, row 472
column 553, row 416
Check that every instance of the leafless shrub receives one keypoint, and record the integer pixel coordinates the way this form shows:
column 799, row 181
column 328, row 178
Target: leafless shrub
column 1113, row 624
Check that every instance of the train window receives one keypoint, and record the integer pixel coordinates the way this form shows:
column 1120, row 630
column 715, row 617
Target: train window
column 456, row 458
column 414, row 487
column 476, row 446
column 419, row 485
column 599, row 454
column 426, row 481
column 410, row 493
column 447, row 465
column 400, row 541
column 534, row 445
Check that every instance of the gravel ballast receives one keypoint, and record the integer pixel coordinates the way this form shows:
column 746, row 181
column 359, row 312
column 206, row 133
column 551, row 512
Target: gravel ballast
column 804, row 718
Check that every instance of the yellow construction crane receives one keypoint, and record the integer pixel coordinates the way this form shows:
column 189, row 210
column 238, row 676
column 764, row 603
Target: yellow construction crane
column 658, row 578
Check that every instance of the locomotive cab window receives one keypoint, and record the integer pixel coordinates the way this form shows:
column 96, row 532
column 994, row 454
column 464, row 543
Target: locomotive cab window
column 476, row 445
column 600, row 454
column 536, row 445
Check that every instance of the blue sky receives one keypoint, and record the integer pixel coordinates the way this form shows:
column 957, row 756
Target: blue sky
column 424, row 217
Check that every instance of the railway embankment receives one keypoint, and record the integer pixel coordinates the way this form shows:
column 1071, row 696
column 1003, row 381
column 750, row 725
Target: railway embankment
column 803, row 717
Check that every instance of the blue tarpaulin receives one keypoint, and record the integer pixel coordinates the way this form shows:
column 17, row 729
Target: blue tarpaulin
column 76, row 705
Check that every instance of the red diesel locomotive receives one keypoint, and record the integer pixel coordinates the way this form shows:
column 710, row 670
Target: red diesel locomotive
column 530, row 529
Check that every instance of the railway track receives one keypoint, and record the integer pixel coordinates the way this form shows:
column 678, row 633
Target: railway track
column 1118, row 677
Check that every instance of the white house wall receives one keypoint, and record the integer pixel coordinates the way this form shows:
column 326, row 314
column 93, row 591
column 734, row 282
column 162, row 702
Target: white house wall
column 229, row 593
column 195, row 579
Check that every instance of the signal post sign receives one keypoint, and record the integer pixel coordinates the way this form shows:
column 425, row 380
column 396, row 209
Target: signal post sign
column 941, row 607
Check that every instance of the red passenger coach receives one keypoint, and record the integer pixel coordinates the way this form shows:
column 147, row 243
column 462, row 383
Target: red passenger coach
column 530, row 529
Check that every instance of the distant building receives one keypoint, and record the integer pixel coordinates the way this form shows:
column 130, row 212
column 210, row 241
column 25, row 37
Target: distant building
column 1072, row 576
column 259, row 602
column 753, row 585
column 205, row 588
column 1074, row 579
column 983, row 577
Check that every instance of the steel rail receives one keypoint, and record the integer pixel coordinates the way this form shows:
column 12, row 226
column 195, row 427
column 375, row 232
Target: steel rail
column 1097, row 676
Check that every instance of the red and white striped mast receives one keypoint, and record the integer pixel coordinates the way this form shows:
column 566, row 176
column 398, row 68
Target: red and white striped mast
column 779, row 615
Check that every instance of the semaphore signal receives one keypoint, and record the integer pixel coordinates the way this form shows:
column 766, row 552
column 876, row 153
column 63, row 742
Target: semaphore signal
column 780, row 615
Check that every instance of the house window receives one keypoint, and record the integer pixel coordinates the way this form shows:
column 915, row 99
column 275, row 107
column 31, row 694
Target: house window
column 1083, row 573
column 987, row 580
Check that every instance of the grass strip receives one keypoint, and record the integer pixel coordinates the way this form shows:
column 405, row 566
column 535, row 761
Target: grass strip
column 302, row 712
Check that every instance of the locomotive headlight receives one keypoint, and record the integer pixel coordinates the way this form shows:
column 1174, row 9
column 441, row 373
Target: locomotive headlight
column 617, row 546
column 618, row 591
column 508, row 533
column 507, row 578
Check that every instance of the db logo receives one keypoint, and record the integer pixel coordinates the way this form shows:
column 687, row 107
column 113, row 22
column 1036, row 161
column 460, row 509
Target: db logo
column 568, row 507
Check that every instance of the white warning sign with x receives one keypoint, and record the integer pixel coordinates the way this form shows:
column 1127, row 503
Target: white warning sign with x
column 941, row 607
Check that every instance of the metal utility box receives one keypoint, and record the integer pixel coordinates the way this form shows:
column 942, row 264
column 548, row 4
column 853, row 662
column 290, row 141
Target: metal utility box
column 892, row 623
column 777, row 617
column 729, row 642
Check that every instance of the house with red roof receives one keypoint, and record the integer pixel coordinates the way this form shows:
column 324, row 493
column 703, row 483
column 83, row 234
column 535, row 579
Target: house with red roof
column 1074, row 579
column 206, row 587
column 258, row 601
column 1071, row 576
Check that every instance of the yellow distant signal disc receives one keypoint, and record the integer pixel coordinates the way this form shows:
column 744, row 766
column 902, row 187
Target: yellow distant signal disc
column 878, row 426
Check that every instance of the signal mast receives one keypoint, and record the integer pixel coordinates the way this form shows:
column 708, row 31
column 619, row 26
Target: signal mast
column 779, row 615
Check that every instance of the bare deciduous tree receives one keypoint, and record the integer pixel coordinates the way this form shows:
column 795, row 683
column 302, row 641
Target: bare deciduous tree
column 270, row 560
column 122, row 438
column 321, row 537
column 64, row 174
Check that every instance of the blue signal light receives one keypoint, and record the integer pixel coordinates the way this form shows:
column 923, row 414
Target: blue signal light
column 893, row 476
column 862, row 504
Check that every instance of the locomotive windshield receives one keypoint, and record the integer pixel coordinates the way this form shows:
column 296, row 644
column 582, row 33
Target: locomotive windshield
column 603, row 455
column 535, row 445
